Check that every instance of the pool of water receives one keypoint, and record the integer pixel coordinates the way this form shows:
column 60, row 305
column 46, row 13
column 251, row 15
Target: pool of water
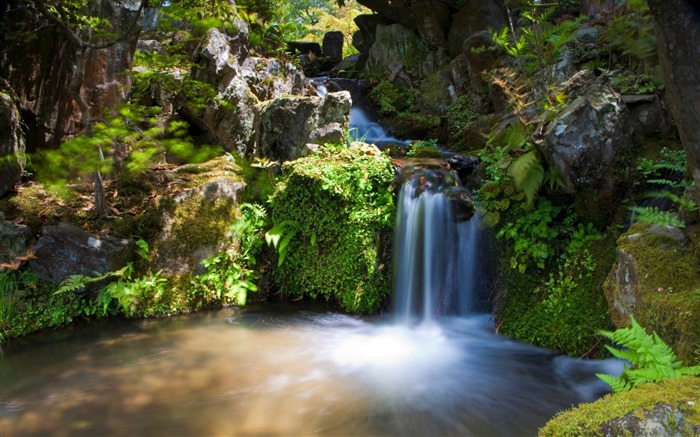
column 287, row 370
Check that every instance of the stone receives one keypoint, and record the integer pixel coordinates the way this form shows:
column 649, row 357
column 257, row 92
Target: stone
column 14, row 240
column 66, row 250
column 432, row 20
column 646, row 115
column 40, row 71
column 397, row 45
column 12, row 145
column 269, row 78
column 585, row 139
column 219, row 66
column 462, row 203
column 304, row 48
column 287, row 124
column 195, row 223
column 149, row 46
column 475, row 16
column 367, row 25
column 482, row 55
column 434, row 95
column 654, row 279
column 333, row 46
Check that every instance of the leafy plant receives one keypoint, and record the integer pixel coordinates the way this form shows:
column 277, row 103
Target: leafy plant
column 230, row 275
column 424, row 149
column 649, row 358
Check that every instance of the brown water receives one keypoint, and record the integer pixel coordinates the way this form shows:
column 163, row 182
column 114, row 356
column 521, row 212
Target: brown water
column 287, row 371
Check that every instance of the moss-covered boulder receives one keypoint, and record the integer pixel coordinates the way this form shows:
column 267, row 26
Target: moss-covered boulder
column 656, row 278
column 669, row 408
column 195, row 219
column 335, row 213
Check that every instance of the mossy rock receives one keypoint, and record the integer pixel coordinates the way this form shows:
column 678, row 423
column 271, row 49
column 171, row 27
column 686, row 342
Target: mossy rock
column 668, row 408
column 656, row 278
column 337, row 211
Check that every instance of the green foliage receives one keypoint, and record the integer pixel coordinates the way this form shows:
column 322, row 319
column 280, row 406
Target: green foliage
column 230, row 275
column 133, row 295
column 391, row 99
column 528, row 174
column 649, row 358
column 652, row 214
column 424, row 149
column 333, row 215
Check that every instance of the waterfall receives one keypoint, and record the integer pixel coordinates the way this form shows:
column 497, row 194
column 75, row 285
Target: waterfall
column 435, row 256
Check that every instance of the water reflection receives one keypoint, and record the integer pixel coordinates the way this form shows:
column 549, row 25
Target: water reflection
column 275, row 370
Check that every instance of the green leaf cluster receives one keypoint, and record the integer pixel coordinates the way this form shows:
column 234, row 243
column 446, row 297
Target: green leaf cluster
column 231, row 275
column 333, row 216
column 649, row 358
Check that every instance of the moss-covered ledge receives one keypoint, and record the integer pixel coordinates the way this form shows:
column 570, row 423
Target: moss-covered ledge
column 668, row 408
column 656, row 278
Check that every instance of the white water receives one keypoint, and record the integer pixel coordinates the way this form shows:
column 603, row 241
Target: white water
column 435, row 257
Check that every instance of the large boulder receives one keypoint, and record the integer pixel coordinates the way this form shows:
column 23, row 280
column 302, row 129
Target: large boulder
column 14, row 240
column 12, row 147
column 398, row 50
column 66, row 250
column 585, row 140
column 475, row 16
column 655, row 279
column 196, row 220
column 269, row 78
column 287, row 124
column 432, row 19
column 333, row 46
column 665, row 409
column 40, row 70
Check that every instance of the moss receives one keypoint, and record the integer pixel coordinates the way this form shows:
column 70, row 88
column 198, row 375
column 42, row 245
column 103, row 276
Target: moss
column 682, row 395
column 667, row 278
column 565, row 315
column 337, row 206
column 391, row 99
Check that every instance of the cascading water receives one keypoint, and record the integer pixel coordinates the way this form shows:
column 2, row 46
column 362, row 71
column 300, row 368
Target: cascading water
column 434, row 254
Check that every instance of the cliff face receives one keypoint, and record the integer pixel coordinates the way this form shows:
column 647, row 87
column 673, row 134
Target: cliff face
column 38, row 61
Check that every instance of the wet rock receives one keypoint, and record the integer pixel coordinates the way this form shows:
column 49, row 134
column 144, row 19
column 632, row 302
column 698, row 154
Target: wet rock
column 462, row 203
column 465, row 166
column 12, row 145
column 66, row 250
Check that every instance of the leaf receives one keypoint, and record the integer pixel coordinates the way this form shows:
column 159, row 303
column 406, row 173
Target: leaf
column 528, row 174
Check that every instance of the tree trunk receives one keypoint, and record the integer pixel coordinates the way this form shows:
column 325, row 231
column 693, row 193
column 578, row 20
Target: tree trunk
column 677, row 26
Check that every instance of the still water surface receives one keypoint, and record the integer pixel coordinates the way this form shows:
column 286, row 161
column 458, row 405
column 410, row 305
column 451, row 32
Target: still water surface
column 289, row 371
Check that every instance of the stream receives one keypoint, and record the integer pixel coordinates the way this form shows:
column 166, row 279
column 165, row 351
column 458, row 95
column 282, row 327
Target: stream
column 431, row 367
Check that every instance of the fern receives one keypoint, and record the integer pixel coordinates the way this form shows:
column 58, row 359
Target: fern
column 279, row 238
column 651, row 360
column 652, row 214
column 528, row 174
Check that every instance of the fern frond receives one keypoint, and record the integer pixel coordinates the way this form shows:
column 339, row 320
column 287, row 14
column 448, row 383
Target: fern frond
column 73, row 283
column 528, row 174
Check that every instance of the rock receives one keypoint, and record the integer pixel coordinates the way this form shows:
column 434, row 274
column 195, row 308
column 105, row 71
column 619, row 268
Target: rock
column 219, row 66
column 12, row 145
column 462, row 203
column 367, row 25
column 584, row 140
column 432, row 19
column 40, row 70
column 66, row 250
column 14, row 240
column 475, row 16
column 434, row 93
column 397, row 45
column 195, row 222
column 149, row 46
column 304, row 48
column 481, row 54
column 655, row 278
column 231, row 117
column 333, row 46
column 646, row 115
column 287, row 124
column 465, row 166
column 668, row 408
column 269, row 78
column 350, row 64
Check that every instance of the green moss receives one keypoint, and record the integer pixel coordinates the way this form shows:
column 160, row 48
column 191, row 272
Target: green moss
column 564, row 314
column 667, row 277
column 338, row 205
column 391, row 99
column 682, row 395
